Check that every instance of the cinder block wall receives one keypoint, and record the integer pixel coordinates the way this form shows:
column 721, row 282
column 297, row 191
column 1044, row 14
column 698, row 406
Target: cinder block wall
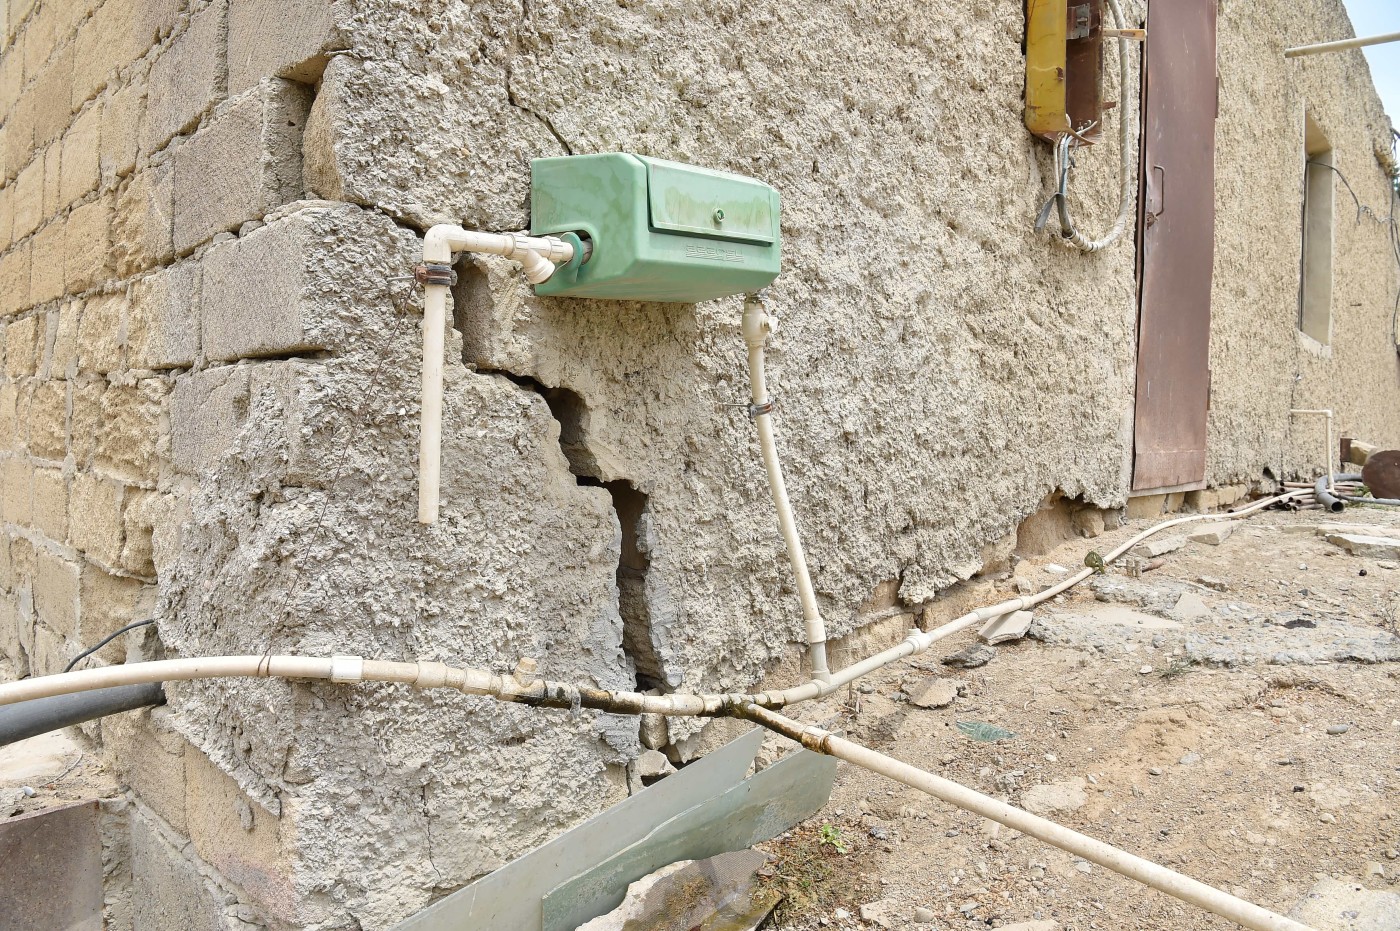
column 208, row 410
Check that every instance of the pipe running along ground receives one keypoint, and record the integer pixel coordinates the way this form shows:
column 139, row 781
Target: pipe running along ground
column 1244, row 913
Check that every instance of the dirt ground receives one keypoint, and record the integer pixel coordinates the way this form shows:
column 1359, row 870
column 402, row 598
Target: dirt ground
column 1248, row 737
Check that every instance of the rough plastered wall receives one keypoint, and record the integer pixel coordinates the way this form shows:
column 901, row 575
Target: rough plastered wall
column 211, row 363
column 1263, row 364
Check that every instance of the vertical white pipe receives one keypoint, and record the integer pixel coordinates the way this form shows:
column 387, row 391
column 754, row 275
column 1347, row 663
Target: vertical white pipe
column 430, row 415
column 756, row 327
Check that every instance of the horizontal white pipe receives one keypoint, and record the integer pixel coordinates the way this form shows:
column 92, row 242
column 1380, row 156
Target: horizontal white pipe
column 1341, row 45
column 1246, row 914
column 757, row 325
column 537, row 256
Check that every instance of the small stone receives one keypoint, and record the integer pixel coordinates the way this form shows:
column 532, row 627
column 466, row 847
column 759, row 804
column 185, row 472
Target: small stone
column 1364, row 545
column 1189, row 759
column 1022, row 585
column 1337, row 729
column 1154, row 771
column 1190, row 606
column 934, row 693
column 1011, row 626
column 1375, row 869
column 971, row 657
column 1055, row 797
column 923, row 916
column 1219, row 585
column 1055, row 569
column 877, row 914
column 1145, row 670
column 1328, row 818
column 841, row 914
column 1213, row 536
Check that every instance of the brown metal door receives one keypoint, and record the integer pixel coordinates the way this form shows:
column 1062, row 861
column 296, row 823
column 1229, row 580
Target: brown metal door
column 1177, row 236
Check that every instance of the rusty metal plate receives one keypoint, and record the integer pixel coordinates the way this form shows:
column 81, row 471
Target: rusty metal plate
column 52, row 870
column 1177, row 235
column 1381, row 473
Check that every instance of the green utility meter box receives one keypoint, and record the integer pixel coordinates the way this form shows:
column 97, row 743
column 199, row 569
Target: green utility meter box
column 660, row 231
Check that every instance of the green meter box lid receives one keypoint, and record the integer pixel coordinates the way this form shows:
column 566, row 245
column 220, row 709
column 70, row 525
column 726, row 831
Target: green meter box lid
column 660, row 231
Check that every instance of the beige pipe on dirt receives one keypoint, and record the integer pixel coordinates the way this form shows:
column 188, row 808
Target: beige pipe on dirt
column 1243, row 913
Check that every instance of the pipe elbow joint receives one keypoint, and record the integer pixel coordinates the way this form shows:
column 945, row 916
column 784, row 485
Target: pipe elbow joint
column 538, row 269
column 437, row 244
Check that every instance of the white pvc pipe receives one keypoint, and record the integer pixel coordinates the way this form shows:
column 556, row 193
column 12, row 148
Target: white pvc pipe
column 757, row 325
column 1340, row 45
column 1246, row 914
column 537, row 256
column 1327, row 451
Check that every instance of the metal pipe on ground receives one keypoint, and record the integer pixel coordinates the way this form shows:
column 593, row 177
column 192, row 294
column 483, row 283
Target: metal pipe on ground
column 32, row 718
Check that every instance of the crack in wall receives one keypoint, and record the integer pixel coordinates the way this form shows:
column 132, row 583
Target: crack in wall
column 543, row 120
column 630, row 505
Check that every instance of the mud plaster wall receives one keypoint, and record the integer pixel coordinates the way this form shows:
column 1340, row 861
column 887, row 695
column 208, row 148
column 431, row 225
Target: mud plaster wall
column 237, row 371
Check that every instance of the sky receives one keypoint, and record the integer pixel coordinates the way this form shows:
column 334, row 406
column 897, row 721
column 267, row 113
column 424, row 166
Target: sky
column 1375, row 17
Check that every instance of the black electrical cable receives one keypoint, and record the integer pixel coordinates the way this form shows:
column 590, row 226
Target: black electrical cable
column 27, row 719
column 104, row 641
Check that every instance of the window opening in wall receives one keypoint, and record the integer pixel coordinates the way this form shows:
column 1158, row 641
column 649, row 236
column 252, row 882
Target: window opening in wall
column 1319, row 183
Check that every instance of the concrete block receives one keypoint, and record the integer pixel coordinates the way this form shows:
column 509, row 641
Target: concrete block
column 79, row 165
column 144, row 222
column 46, row 281
column 17, row 506
column 11, row 70
column 14, row 279
column 121, row 123
column 52, row 93
column 1142, row 507
column 48, row 651
column 162, row 323
column 9, row 415
column 86, row 237
column 237, row 836
column 256, row 298
column 245, row 161
column 169, row 891
column 269, row 38
column 56, row 592
column 107, row 603
column 321, row 174
column 17, row 136
column 97, row 529
column 63, row 354
column 47, row 433
column 53, row 158
column 1378, row 547
column 22, row 347
column 186, row 80
column 1213, row 536
column 40, row 39
column 51, row 504
column 102, row 333
column 1011, row 626
column 149, row 756
column 130, row 428
column 29, row 199
column 85, row 416
column 142, row 510
column 7, row 217
column 7, row 565
column 207, row 410
column 119, row 33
